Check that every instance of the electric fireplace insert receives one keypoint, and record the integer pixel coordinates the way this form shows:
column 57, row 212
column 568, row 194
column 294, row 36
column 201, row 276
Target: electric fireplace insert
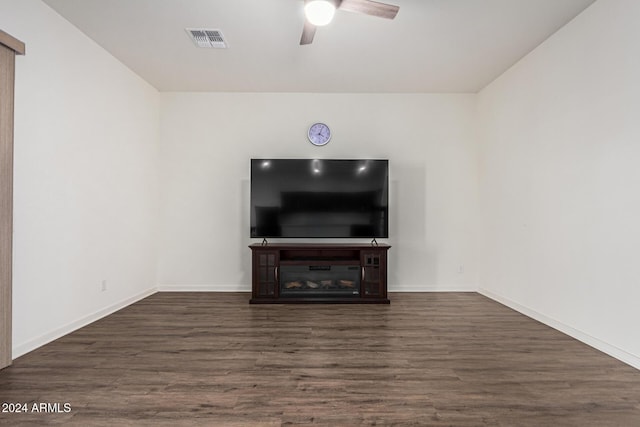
column 319, row 280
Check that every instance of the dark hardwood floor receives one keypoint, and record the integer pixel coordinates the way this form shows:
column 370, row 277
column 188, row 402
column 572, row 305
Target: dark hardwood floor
column 212, row 359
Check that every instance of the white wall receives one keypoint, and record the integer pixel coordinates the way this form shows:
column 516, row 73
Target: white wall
column 85, row 195
column 560, row 181
column 208, row 139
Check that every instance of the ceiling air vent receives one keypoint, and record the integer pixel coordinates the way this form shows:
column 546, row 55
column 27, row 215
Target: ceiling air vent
column 203, row 37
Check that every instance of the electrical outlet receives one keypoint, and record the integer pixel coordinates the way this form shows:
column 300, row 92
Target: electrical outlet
column 103, row 286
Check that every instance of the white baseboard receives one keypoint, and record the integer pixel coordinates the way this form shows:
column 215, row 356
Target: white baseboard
column 203, row 288
column 435, row 288
column 247, row 288
column 623, row 356
column 31, row 345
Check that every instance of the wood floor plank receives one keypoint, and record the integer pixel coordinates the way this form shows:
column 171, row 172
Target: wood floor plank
column 427, row 359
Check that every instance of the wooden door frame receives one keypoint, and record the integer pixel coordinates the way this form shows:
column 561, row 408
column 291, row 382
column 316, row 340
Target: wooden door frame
column 9, row 48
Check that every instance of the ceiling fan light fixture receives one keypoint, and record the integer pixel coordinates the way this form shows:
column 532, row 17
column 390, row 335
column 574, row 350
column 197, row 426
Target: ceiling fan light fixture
column 319, row 12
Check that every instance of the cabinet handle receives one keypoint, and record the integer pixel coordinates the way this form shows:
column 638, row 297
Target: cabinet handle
column 275, row 273
column 363, row 270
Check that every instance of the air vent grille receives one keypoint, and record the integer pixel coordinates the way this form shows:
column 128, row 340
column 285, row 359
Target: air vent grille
column 207, row 38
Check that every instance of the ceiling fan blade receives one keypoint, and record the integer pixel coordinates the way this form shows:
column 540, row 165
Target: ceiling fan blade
column 308, row 32
column 369, row 7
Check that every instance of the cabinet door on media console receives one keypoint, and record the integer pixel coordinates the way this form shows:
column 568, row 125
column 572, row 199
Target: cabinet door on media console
column 265, row 273
column 374, row 274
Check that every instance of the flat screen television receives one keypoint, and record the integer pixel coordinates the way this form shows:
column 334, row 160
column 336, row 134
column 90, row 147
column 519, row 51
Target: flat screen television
column 319, row 198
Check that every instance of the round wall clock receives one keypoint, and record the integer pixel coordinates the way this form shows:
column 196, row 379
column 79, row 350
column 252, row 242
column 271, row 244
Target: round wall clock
column 319, row 134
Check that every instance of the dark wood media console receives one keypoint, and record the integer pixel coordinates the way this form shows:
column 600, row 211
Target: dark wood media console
column 319, row 273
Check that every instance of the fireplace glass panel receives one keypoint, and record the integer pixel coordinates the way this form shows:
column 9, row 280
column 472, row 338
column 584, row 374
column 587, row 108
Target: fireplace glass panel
column 319, row 280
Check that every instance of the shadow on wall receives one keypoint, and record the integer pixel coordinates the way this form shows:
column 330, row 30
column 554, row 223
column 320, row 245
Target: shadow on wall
column 411, row 264
column 245, row 254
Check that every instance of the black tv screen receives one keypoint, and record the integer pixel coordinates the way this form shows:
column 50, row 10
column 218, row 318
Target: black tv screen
column 319, row 198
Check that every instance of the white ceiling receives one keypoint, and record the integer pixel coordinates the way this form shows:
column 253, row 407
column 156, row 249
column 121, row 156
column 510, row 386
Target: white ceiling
column 431, row 46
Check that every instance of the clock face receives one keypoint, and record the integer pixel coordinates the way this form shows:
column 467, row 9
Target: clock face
column 319, row 134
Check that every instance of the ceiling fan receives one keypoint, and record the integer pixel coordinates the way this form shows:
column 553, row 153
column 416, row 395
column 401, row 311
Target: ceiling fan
column 320, row 12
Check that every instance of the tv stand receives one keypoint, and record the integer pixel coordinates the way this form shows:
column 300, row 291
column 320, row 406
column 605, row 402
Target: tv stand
column 319, row 273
